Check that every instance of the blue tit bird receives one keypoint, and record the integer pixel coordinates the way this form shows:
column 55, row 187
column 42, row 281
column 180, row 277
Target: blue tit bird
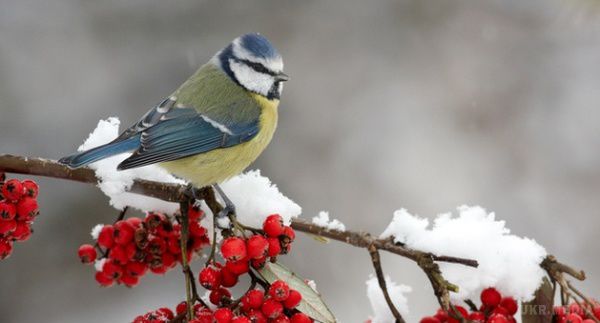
column 214, row 125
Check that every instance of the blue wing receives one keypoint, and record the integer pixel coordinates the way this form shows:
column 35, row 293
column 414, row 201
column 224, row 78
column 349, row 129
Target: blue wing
column 166, row 133
column 184, row 132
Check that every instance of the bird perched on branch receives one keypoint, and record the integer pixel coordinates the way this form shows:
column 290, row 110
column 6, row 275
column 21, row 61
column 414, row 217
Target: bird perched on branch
column 214, row 125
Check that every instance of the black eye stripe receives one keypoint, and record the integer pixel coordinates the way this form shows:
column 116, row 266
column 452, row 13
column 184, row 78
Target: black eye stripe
column 258, row 67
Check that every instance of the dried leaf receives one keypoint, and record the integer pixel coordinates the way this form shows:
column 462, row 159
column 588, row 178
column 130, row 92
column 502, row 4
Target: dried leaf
column 311, row 304
column 540, row 309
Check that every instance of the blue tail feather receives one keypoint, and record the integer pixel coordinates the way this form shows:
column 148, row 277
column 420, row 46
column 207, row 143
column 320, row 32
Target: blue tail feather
column 100, row 152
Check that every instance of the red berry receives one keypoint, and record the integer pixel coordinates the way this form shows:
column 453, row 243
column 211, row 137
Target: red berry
column 87, row 253
column 575, row 308
column 134, row 222
column 228, row 279
column 441, row 315
column 118, row 255
column 477, row 317
column 156, row 245
column 203, row 315
column 289, row 233
column 300, row 318
column 195, row 213
column 258, row 263
column 281, row 319
column 429, row 319
column 136, row 268
column 12, row 189
column 30, row 188
column 510, row 305
column 279, row 290
column 573, row 318
column 7, row 226
column 27, row 209
column 233, row 249
column 158, row 269
column 497, row 318
column 104, row 280
column 105, row 238
column 165, row 312
column 129, row 281
column 257, row 246
column 169, row 260
column 274, row 247
column 490, row 297
column 596, row 311
column 6, row 248
column 22, row 231
column 153, row 220
column 253, row 299
column 223, row 315
column 181, row 307
column 8, row 211
column 457, row 313
column 273, row 225
column 560, row 311
column 293, row 300
column 210, row 278
column 240, row 319
column 123, row 233
column 111, row 269
column 217, row 295
column 238, row 267
column 588, row 321
column 271, row 308
column 256, row 316
column 196, row 229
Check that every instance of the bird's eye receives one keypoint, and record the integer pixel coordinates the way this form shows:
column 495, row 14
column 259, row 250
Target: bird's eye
column 258, row 67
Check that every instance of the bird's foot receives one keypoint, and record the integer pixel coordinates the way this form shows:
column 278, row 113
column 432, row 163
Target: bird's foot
column 191, row 192
column 226, row 218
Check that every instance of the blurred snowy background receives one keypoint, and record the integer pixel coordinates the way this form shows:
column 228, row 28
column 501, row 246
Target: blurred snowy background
column 425, row 105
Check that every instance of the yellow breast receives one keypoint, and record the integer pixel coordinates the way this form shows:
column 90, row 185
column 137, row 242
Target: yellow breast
column 220, row 164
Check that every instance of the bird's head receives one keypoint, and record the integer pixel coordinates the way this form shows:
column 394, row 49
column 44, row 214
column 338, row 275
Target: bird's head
column 253, row 63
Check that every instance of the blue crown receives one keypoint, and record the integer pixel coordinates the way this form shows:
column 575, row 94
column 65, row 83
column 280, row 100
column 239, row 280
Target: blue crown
column 258, row 45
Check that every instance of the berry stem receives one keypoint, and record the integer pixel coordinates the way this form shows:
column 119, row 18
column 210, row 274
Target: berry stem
column 213, row 246
column 376, row 260
column 184, row 261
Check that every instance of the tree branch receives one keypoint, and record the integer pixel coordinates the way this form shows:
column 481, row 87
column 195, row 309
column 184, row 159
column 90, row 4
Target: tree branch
column 376, row 260
column 177, row 193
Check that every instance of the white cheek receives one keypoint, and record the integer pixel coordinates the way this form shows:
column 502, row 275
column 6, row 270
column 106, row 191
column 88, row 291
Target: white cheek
column 250, row 79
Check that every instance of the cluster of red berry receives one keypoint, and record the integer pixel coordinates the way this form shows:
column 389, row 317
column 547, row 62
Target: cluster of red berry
column 125, row 250
column 277, row 306
column 494, row 309
column 18, row 209
column 574, row 313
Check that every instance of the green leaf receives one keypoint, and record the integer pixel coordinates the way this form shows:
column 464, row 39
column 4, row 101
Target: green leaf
column 311, row 304
column 539, row 310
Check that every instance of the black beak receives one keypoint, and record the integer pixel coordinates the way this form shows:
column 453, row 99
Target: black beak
column 281, row 77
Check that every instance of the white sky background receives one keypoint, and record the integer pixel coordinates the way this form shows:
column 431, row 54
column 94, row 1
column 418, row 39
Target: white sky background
column 409, row 104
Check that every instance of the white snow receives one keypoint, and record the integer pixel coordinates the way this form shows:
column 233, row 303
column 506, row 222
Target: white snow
column 98, row 264
column 255, row 198
column 323, row 221
column 312, row 284
column 96, row 231
column 506, row 261
column 381, row 311
column 115, row 183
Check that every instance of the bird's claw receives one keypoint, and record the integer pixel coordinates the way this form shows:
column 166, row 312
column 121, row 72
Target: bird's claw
column 225, row 216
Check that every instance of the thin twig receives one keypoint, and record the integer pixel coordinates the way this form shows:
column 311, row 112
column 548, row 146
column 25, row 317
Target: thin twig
column 176, row 193
column 184, row 261
column 376, row 259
